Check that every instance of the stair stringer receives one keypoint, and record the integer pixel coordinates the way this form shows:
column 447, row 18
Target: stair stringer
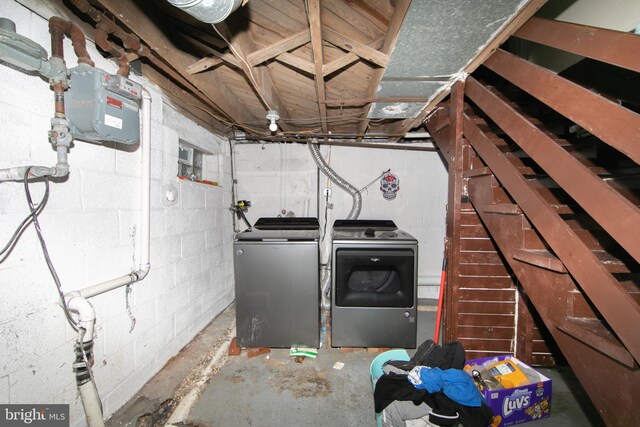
column 613, row 387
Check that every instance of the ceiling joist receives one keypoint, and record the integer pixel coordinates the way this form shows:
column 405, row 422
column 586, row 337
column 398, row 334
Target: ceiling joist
column 241, row 44
column 298, row 63
column 315, row 27
column 283, row 46
column 360, row 49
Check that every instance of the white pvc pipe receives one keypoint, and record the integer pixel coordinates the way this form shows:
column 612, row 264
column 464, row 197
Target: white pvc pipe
column 91, row 404
column 85, row 313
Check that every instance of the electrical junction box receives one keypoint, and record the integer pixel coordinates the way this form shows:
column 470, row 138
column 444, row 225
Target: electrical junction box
column 102, row 107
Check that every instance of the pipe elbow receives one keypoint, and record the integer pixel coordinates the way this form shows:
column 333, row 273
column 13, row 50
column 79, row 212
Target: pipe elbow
column 142, row 272
column 82, row 308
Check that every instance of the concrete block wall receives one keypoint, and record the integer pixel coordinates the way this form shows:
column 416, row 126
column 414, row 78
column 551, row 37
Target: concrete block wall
column 91, row 226
column 419, row 208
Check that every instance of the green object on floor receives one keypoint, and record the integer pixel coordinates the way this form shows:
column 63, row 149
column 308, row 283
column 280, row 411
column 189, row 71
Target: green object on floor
column 303, row 351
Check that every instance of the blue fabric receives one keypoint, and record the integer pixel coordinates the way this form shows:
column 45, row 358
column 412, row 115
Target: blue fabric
column 455, row 383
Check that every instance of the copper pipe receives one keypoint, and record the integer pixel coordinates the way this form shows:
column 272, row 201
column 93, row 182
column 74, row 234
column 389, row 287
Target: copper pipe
column 102, row 40
column 58, row 28
column 58, row 98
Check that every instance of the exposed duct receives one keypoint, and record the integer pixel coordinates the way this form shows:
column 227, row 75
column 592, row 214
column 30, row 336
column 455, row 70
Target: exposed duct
column 337, row 179
column 209, row 11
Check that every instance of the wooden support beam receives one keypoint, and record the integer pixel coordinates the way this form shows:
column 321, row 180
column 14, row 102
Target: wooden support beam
column 203, row 65
column 297, row 63
column 392, row 34
column 282, row 46
column 617, row 215
column 347, row 59
column 339, row 63
column 613, row 47
column 241, row 44
column 211, row 87
column 454, row 208
column 353, row 46
column 315, row 27
column 604, row 291
column 609, row 121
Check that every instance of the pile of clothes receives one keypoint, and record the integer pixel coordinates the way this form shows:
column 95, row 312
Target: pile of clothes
column 434, row 380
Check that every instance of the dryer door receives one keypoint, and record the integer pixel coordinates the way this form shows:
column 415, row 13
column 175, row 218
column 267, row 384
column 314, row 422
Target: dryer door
column 374, row 277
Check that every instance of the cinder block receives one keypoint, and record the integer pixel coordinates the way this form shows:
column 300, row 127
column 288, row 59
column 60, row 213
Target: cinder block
column 129, row 160
column 197, row 285
column 179, row 221
column 166, row 250
column 48, row 371
column 95, row 157
column 213, row 198
column 109, row 263
column 25, row 289
column 187, row 268
column 18, row 346
column 192, row 194
column 192, row 244
column 169, row 302
column 102, row 191
column 116, row 332
column 160, row 279
column 127, row 388
column 112, row 370
column 156, row 164
column 186, row 315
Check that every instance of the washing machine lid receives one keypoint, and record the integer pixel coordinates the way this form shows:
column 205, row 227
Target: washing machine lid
column 282, row 230
column 287, row 223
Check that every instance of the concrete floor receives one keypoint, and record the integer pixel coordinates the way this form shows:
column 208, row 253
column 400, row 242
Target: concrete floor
column 273, row 390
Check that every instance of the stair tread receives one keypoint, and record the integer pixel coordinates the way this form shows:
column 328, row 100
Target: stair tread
column 503, row 208
column 541, row 258
column 596, row 335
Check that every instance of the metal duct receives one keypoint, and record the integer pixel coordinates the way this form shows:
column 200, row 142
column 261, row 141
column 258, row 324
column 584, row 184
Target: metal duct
column 209, row 11
column 338, row 180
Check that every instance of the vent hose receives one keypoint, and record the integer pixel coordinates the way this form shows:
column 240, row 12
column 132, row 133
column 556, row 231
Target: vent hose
column 336, row 179
column 314, row 149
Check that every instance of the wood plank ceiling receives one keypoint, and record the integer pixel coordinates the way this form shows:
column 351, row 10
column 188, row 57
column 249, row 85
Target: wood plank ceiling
column 318, row 63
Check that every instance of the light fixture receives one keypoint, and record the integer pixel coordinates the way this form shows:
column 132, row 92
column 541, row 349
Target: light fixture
column 272, row 116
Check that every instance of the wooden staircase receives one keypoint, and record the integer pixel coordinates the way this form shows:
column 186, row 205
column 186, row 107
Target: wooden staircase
column 566, row 223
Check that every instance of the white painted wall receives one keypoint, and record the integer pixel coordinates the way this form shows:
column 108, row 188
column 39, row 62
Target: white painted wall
column 88, row 225
column 279, row 176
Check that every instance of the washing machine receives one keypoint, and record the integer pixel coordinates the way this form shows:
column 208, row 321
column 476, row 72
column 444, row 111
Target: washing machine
column 277, row 283
column 374, row 285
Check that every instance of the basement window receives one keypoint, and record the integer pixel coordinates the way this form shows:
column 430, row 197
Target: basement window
column 198, row 165
column 190, row 161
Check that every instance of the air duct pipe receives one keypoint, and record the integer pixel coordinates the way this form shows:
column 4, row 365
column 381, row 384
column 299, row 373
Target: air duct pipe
column 325, row 280
column 209, row 11
column 336, row 179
